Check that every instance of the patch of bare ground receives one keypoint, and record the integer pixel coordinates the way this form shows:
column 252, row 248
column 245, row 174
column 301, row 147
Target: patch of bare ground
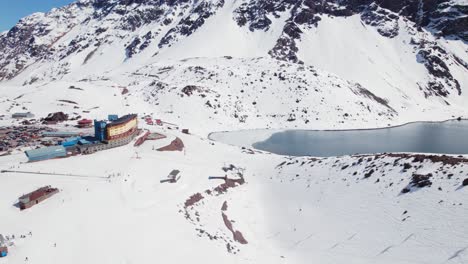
column 225, row 206
column 68, row 101
column 252, row 151
column 444, row 159
column 237, row 235
column 296, row 161
column 359, row 90
column 412, row 173
column 75, row 88
column 176, row 145
column 228, row 184
column 193, row 199
column 193, row 215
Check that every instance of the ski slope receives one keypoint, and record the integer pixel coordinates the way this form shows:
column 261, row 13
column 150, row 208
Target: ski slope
column 302, row 210
column 198, row 65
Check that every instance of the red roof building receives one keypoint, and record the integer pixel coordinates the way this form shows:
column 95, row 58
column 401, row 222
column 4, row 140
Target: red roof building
column 29, row 200
column 85, row 123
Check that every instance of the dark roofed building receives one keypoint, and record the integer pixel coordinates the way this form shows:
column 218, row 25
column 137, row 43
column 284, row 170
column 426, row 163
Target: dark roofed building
column 22, row 115
column 28, row 200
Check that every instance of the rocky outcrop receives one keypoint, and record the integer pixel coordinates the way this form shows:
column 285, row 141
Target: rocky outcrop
column 31, row 39
column 385, row 21
column 441, row 81
column 189, row 24
column 418, row 181
column 286, row 48
column 56, row 117
column 139, row 44
column 443, row 17
column 90, row 26
column 465, row 182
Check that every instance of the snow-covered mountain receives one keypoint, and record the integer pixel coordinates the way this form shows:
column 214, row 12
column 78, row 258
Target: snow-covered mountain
column 410, row 54
column 212, row 65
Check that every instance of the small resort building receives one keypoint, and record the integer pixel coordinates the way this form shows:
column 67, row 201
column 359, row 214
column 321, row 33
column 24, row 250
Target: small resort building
column 22, row 115
column 28, row 200
column 46, row 153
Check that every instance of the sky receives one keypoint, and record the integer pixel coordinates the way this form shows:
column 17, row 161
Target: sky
column 11, row 11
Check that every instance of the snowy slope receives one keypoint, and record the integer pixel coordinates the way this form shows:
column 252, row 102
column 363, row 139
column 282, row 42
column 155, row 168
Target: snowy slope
column 419, row 74
column 256, row 93
column 384, row 65
column 106, row 35
column 289, row 210
column 228, row 94
column 383, row 225
column 229, row 65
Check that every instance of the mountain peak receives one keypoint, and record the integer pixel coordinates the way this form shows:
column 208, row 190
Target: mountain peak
column 135, row 29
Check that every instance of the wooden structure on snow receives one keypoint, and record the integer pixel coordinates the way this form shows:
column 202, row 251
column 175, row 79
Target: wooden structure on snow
column 29, row 200
column 173, row 177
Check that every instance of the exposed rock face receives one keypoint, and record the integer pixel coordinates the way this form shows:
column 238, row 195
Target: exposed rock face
column 190, row 24
column 384, row 20
column 442, row 17
column 31, row 38
column 432, row 58
column 254, row 14
column 56, row 117
column 445, row 17
column 214, row 88
column 286, row 48
column 39, row 37
column 88, row 25
column 418, row 181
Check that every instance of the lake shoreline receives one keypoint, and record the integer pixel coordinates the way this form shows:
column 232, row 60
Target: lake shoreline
column 252, row 138
column 350, row 129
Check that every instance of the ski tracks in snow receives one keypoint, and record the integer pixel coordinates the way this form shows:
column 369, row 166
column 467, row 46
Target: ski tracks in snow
column 457, row 254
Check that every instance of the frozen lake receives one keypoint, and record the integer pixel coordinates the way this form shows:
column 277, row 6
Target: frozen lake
column 449, row 137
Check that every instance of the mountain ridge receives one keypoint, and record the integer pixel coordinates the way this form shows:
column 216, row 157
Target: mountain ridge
column 398, row 52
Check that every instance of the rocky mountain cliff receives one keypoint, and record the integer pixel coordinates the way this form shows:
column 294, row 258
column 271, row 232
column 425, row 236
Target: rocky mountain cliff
column 224, row 65
column 398, row 50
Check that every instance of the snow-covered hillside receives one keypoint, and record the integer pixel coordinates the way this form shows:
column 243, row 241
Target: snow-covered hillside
column 229, row 93
column 362, row 209
column 256, row 93
column 216, row 65
column 402, row 55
